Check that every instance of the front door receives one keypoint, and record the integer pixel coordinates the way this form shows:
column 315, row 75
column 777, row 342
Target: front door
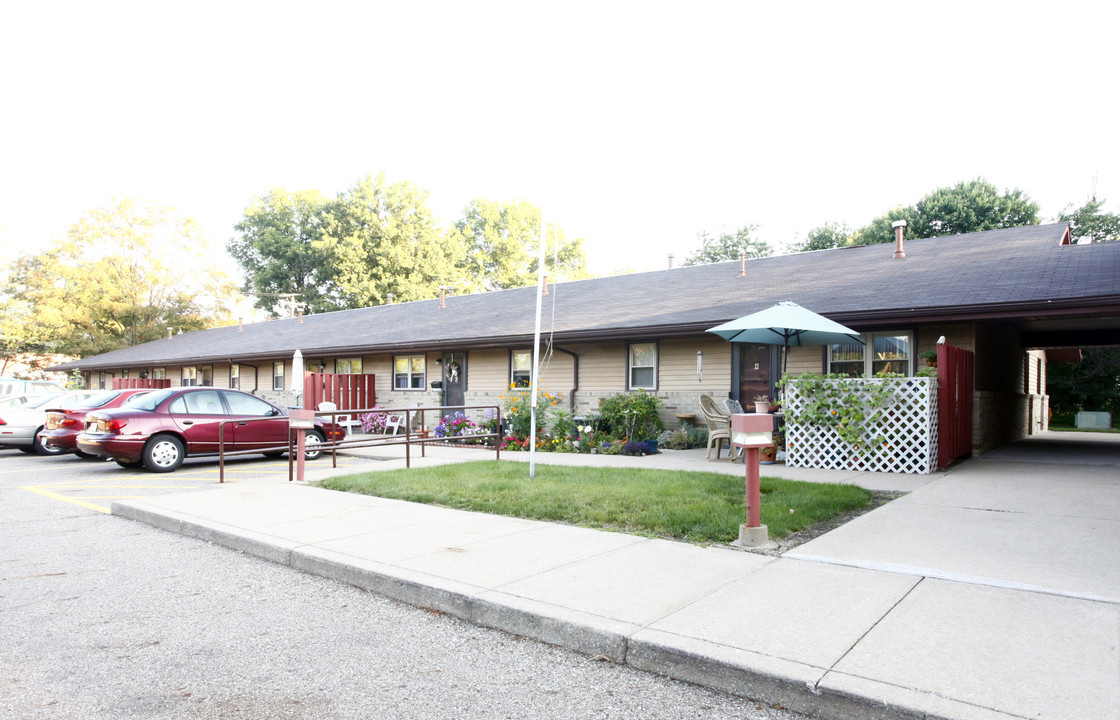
column 454, row 379
column 754, row 373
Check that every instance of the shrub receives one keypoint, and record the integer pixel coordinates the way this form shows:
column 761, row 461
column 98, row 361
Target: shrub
column 518, row 409
column 632, row 415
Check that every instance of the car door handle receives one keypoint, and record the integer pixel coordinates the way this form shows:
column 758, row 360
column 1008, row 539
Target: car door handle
column 188, row 422
column 243, row 422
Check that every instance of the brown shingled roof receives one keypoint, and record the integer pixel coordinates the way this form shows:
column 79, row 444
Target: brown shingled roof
column 995, row 273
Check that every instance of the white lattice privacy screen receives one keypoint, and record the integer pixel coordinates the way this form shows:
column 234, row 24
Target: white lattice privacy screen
column 909, row 429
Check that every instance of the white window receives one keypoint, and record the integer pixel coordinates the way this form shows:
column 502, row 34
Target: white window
column 348, row 366
column 643, row 366
column 278, row 375
column 235, row 376
column 883, row 352
column 206, row 375
column 158, row 373
column 408, row 372
column 189, row 377
column 521, row 368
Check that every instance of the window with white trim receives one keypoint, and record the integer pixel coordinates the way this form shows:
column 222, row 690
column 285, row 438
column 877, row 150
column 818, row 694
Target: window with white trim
column 882, row 352
column 189, row 377
column 158, row 373
column 409, row 372
column 643, row 366
column 235, row 376
column 278, row 375
column 521, row 368
column 348, row 366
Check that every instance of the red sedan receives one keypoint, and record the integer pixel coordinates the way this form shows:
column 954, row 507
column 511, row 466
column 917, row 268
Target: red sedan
column 162, row 428
column 60, row 432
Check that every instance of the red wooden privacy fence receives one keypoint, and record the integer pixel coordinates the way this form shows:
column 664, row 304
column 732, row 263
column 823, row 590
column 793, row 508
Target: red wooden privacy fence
column 347, row 392
column 954, row 403
column 133, row 383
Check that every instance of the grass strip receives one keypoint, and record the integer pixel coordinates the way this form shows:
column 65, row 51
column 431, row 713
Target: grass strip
column 697, row 507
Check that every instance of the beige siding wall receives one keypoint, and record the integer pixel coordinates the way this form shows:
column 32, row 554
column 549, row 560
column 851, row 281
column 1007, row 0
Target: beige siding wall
column 804, row 360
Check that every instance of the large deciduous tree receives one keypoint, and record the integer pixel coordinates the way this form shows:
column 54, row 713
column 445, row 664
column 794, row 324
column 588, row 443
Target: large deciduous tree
column 1090, row 223
column 729, row 246
column 380, row 239
column 500, row 242
column 279, row 249
column 827, row 236
column 124, row 275
column 966, row 207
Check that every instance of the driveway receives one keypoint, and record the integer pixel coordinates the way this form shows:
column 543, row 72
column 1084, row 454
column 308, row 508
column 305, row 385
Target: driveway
column 1042, row 514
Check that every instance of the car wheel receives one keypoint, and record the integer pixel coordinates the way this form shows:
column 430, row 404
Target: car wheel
column 41, row 449
column 130, row 464
column 313, row 445
column 163, row 453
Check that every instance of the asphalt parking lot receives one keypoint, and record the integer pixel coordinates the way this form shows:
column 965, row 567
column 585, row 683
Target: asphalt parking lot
column 95, row 485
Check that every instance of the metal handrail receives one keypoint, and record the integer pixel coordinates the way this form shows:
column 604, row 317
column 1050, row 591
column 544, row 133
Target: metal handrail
column 418, row 437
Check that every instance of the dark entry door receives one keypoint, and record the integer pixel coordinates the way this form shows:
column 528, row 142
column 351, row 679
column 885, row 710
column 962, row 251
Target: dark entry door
column 454, row 378
column 754, row 372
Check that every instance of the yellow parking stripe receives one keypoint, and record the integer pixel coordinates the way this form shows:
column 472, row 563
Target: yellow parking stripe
column 63, row 498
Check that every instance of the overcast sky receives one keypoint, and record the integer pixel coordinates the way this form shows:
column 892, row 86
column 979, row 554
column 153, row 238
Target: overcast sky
column 634, row 125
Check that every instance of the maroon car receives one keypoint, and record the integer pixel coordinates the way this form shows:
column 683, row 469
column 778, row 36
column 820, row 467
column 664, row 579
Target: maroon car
column 159, row 430
column 60, row 431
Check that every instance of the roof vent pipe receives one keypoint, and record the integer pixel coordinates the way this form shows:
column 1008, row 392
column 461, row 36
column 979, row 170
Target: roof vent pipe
column 742, row 264
column 671, row 258
column 389, row 296
column 299, row 320
column 899, row 227
column 169, row 331
column 544, row 287
column 442, row 297
column 240, row 324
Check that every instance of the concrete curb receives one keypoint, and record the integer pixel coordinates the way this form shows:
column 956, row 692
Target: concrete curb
column 802, row 688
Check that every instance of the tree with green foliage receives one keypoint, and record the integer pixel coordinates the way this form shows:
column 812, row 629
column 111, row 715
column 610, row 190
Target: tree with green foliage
column 123, row 276
column 380, row 238
column 827, row 236
column 500, row 241
column 1092, row 384
column 1090, row 223
column 729, row 246
column 278, row 252
column 966, row 207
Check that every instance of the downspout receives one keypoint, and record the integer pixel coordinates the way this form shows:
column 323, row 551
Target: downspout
column 256, row 375
column 575, row 379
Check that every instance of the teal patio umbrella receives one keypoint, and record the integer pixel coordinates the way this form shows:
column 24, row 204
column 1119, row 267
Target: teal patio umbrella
column 785, row 324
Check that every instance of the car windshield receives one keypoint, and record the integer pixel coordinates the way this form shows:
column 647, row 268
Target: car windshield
column 96, row 401
column 44, row 401
column 150, row 401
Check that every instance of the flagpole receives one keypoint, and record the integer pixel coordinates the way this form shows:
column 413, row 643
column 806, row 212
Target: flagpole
column 536, row 352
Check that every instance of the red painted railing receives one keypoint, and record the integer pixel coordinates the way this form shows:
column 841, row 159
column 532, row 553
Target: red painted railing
column 134, row 383
column 347, row 392
column 954, row 403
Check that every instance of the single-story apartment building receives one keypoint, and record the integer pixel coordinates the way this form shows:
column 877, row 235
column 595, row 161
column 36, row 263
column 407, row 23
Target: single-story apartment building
column 1010, row 296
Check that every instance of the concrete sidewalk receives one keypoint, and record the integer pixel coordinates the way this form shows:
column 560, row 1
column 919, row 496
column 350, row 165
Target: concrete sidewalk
column 836, row 632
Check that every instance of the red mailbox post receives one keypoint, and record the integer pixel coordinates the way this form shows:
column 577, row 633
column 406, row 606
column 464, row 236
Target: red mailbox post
column 752, row 432
column 301, row 421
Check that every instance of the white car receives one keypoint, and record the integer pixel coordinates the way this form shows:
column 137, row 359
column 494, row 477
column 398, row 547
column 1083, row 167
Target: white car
column 20, row 425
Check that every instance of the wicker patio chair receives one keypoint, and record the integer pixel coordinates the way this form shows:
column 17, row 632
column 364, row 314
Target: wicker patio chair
column 719, row 425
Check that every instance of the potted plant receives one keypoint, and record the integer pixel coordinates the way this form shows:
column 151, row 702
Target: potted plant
column 762, row 403
column 930, row 356
column 767, row 455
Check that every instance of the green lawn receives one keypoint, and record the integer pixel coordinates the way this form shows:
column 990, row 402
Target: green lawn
column 697, row 507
